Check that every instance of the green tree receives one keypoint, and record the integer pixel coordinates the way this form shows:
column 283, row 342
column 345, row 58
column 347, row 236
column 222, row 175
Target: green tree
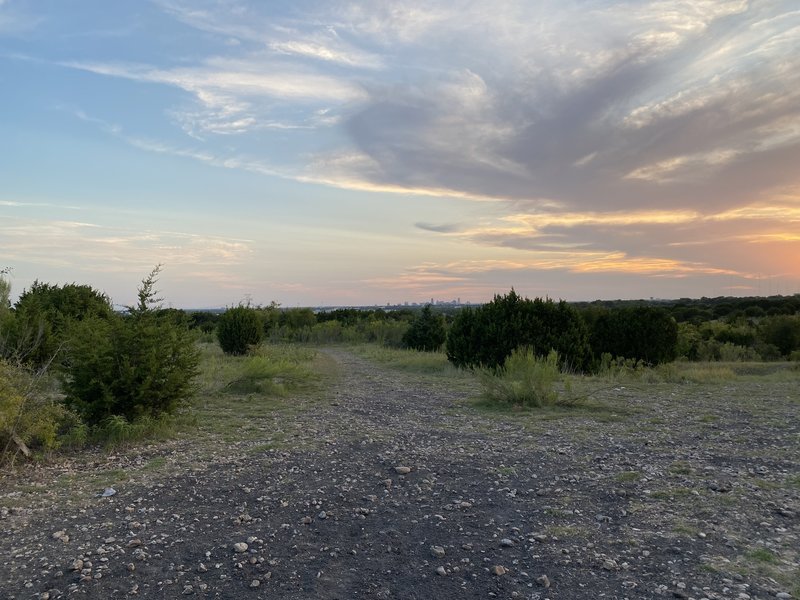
column 6, row 316
column 239, row 329
column 645, row 333
column 427, row 331
column 486, row 336
column 44, row 314
column 133, row 365
column 783, row 332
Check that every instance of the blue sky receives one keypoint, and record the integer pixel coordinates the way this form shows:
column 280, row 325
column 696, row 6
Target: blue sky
column 333, row 152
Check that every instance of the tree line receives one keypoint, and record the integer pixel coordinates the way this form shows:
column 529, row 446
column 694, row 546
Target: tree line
column 139, row 362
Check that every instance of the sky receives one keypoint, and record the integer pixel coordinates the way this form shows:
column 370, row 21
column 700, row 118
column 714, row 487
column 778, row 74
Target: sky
column 328, row 152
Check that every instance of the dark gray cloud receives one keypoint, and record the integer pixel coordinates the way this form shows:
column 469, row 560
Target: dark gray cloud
column 704, row 117
column 443, row 228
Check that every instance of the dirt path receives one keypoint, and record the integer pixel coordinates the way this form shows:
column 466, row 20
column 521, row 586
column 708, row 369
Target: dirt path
column 688, row 497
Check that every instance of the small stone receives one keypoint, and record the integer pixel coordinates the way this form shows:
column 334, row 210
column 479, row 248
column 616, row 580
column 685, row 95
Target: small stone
column 202, row 568
column 610, row 565
column 499, row 570
column 77, row 565
column 441, row 571
column 44, row 596
column 506, row 543
column 131, row 567
column 187, row 589
column 255, row 583
column 783, row 595
column 402, row 470
column 240, row 547
column 322, row 515
column 602, row 518
column 306, row 520
column 544, row 581
column 437, row 551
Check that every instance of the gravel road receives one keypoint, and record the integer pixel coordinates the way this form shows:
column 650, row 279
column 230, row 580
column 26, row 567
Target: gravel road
column 394, row 486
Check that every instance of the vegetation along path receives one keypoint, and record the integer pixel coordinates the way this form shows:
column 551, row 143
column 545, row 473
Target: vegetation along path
column 395, row 485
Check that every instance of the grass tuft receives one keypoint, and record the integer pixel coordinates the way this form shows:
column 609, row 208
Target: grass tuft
column 528, row 380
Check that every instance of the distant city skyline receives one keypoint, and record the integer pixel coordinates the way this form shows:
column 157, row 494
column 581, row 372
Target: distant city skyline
column 337, row 153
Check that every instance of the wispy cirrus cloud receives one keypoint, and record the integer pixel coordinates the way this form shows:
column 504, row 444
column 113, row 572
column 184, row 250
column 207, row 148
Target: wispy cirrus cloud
column 16, row 20
column 234, row 96
column 104, row 248
column 614, row 137
column 708, row 83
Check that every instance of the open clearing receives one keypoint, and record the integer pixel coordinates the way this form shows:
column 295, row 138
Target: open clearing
column 673, row 490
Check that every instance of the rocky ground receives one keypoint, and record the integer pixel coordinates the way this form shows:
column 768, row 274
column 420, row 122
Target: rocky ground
column 394, row 486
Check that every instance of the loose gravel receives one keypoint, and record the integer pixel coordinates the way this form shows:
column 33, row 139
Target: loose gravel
column 395, row 486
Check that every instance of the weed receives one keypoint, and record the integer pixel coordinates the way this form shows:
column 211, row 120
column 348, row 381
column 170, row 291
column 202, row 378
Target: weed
column 528, row 380
column 118, row 431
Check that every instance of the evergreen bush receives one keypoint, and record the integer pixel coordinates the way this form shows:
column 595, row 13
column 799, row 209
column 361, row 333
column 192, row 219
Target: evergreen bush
column 486, row 336
column 44, row 314
column 645, row 333
column 136, row 365
column 427, row 331
column 239, row 329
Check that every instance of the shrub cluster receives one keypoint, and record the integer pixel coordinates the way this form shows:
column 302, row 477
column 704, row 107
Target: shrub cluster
column 112, row 367
column 29, row 419
column 485, row 336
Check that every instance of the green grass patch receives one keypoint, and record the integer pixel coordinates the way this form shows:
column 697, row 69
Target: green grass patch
column 671, row 493
column 628, row 476
column 411, row 361
column 155, row 464
column 680, row 467
column 685, row 529
column 240, row 397
column 708, row 418
column 763, row 555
